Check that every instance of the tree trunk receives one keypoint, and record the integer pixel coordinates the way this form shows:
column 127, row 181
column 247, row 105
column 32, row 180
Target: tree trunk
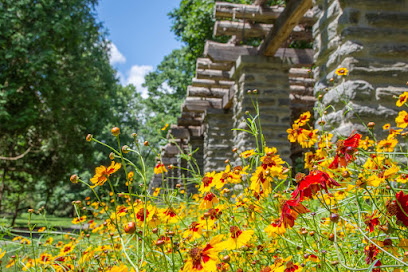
column 16, row 211
column 2, row 185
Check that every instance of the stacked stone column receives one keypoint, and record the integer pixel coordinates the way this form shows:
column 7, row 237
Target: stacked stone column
column 370, row 39
column 270, row 77
column 218, row 138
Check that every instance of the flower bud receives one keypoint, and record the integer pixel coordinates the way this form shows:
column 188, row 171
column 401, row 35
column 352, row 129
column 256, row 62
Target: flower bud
column 226, row 258
column 115, row 131
column 125, row 149
column 30, row 210
column 178, row 185
column 112, row 156
column 74, row 179
column 130, row 227
column 89, row 137
column 160, row 243
column 371, row 125
column 234, row 149
column 155, row 230
column 146, row 143
column 334, row 217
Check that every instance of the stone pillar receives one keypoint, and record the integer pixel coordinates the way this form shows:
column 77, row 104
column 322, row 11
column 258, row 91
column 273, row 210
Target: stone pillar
column 270, row 76
column 370, row 39
column 217, row 139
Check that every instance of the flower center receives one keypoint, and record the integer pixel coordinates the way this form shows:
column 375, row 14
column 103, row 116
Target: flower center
column 140, row 214
column 207, row 181
column 196, row 254
column 235, row 232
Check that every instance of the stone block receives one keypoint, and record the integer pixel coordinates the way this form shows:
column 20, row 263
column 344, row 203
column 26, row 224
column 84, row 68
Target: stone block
column 388, row 94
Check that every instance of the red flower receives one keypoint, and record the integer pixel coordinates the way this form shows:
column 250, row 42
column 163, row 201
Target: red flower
column 312, row 183
column 371, row 251
column 371, row 221
column 345, row 151
column 290, row 209
column 403, row 202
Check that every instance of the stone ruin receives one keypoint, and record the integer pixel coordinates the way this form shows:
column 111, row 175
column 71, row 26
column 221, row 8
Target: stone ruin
column 369, row 38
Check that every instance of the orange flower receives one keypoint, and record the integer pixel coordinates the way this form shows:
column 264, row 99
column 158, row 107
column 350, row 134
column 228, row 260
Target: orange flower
column 102, row 173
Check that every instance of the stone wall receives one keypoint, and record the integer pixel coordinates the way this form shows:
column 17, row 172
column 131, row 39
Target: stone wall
column 217, row 139
column 370, row 39
column 269, row 75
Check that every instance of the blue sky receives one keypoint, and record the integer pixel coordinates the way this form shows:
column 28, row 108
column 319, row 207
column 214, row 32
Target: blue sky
column 140, row 33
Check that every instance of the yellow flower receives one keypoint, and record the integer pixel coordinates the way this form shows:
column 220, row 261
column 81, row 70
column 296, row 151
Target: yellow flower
column 366, row 143
column 310, row 138
column 160, row 168
column 165, row 127
column 402, row 119
column 42, row 229
column 2, row 254
column 303, row 119
column 247, row 153
column 341, row 71
column 386, row 145
column 207, row 182
column 209, row 201
column 204, row 258
column 102, row 173
column 67, row 249
column 386, row 126
column 237, row 239
column 156, row 192
column 274, row 230
column 402, row 99
column 77, row 220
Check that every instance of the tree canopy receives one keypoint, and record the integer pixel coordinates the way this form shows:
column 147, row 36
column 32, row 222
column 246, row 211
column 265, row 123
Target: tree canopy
column 56, row 86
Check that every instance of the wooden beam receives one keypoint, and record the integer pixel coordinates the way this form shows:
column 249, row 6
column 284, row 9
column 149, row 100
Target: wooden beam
column 254, row 13
column 206, row 63
column 290, row 17
column 212, row 74
column 206, row 92
column 221, row 52
column 247, row 30
column 207, row 83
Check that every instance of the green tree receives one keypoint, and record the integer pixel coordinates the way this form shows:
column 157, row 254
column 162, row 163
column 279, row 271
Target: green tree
column 56, row 86
column 193, row 24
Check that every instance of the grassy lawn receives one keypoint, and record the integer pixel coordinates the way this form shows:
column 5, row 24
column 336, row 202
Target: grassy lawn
column 38, row 220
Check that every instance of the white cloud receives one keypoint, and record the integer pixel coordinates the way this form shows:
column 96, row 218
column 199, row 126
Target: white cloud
column 115, row 56
column 136, row 77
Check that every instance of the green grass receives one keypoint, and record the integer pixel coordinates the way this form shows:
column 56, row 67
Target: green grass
column 38, row 220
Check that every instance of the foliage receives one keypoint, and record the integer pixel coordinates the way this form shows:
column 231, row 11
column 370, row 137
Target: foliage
column 348, row 213
column 56, row 85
